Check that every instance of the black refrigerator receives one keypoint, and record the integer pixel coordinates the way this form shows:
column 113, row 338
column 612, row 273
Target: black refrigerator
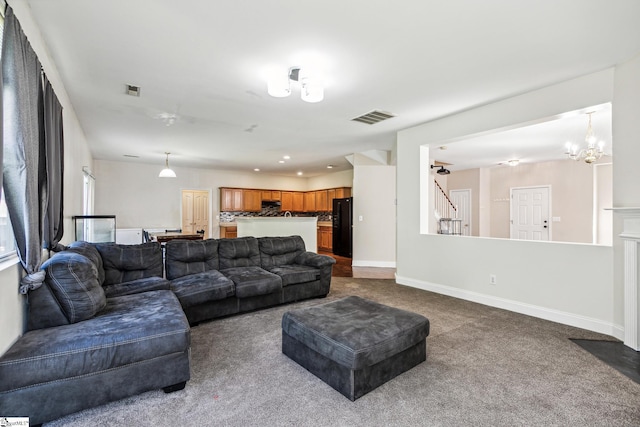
column 342, row 226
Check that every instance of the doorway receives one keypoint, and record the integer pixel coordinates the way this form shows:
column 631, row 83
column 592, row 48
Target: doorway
column 530, row 213
column 195, row 212
column 461, row 199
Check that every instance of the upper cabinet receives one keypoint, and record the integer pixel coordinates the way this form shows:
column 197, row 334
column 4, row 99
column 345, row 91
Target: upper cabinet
column 250, row 200
column 231, row 199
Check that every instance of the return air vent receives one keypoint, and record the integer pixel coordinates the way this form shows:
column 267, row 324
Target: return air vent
column 373, row 117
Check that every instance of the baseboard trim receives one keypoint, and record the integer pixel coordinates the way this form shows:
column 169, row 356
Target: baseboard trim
column 552, row 315
column 381, row 264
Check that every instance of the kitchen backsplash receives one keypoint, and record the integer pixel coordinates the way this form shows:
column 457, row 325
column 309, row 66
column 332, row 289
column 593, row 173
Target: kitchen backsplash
column 271, row 212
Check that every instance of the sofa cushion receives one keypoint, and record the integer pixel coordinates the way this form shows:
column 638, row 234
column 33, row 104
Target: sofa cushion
column 131, row 329
column 89, row 250
column 240, row 252
column 253, row 281
column 73, row 281
column 137, row 286
column 202, row 287
column 183, row 257
column 124, row 263
column 277, row 251
column 295, row 274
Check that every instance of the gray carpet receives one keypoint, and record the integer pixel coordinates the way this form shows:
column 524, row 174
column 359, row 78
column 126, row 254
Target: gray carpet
column 485, row 367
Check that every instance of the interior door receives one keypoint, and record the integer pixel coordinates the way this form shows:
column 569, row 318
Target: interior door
column 461, row 199
column 195, row 211
column 530, row 213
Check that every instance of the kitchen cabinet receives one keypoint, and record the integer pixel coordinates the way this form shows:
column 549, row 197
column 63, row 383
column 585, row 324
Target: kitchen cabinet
column 251, row 200
column 271, row 195
column 325, row 238
column 228, row 232
column 343, row 192
column 310, row 201
column 321, row 201
column 231, row 200
column 331, row 194
column 298, row 201
column 286, row 199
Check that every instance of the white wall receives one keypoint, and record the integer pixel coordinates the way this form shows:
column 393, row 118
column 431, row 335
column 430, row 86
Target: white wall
column 138, row 198
column 374, row 194
column 331, row 180
column 626, row 174
column 76, row 155
column 548, row 280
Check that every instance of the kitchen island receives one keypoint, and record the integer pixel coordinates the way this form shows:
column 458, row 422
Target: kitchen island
column 305, row 227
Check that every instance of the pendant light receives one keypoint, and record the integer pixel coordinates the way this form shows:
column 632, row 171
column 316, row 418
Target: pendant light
column 167, row 172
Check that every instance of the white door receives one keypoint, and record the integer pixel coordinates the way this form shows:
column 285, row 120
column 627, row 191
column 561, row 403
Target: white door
column 530, row 213
column 461, row 199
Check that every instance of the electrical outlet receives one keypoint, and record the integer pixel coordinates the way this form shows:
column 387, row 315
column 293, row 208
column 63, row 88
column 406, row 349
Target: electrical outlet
column 493, row 280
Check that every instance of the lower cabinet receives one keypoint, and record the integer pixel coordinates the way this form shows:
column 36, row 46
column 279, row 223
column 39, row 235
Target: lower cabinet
column 325, row 239
column 228, row 232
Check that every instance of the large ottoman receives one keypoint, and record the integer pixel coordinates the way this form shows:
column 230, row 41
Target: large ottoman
column 354, row 344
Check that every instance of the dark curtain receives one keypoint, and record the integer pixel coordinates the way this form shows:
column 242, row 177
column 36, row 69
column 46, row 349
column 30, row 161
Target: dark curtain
column 54, row 142
column 25, row 183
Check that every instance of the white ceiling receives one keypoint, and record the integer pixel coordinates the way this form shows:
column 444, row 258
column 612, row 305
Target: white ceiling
column 204, row 60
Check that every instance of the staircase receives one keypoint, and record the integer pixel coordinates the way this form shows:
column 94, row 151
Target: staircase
column 443, row 206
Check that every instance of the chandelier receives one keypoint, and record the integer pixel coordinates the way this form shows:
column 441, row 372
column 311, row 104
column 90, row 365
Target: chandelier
column 593, row 151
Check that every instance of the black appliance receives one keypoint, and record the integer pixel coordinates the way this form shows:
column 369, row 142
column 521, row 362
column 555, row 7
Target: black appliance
column 343, row 226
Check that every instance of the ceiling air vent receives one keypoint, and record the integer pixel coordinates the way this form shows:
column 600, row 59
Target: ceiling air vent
column 133, row 90
column 373, row 117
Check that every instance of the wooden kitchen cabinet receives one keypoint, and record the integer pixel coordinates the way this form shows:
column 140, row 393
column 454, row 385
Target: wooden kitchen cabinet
column 286, row 201
column 228, row 232
column 325, row 238
column 310, row 201
column 343, row 192
column 231, row 200
column 321, row 201
column 298, row 202
column 251, row 200
column 271, row 195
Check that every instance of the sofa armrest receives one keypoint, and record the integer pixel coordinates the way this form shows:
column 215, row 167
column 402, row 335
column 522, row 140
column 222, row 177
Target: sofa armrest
column 314, row 260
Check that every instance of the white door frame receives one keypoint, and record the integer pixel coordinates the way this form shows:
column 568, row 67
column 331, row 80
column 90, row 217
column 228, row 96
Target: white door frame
column 550, row 228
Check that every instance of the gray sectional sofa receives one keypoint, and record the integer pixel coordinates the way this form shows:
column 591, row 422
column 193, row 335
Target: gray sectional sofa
column 214, row 278
column 106, row 324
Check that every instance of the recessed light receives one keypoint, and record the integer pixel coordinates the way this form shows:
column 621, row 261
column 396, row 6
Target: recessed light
column 280, row 161
column 513, row 162
column 286, row 157
column 300, row 173
column 257, row 170
column 329, row 166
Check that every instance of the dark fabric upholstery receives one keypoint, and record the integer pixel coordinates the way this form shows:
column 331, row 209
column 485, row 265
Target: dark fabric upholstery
column 137, row 343
column 351, row 383
column 43, row 309
column 240, row 252
column 295, row 274
column 137, row 286
column 89, row 250
column 301, row 291
column 252, row 281
column 277, row 251
column 314, row 260
column 73, row 281
column 124, row 263
column 199, row 288
column 355, row 332
column 184, row 257
column 130, row 329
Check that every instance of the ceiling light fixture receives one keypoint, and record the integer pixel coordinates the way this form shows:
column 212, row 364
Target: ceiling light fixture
column 442, row 170
column 593, row 151
column 300, row 173
column 513, row 162
column 311, row 87
column 329, row 166
column 167, row 172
